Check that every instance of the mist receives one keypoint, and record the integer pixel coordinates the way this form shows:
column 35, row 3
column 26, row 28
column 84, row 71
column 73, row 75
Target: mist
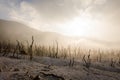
column 88, row 18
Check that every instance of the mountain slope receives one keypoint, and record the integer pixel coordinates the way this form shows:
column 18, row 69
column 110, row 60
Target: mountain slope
column 14, row 30
column 10, row 30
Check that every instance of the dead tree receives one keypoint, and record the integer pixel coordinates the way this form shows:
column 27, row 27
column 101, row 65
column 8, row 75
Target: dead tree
column 15, row 51
column 0, row 47
column 22, row 50
column 112, row 63
column 56, row 53
column 6, row 49
column 30, row 49
column 119, row 61
column 87, row 61
column 19, row 49
column 72, row 62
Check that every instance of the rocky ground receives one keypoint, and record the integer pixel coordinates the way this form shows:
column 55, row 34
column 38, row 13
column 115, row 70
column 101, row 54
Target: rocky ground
column 45, row 68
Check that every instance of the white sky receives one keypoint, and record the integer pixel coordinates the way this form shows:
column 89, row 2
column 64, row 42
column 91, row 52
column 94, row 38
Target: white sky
column 87, row 18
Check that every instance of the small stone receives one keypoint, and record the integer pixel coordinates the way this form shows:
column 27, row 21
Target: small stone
column 0, row 69
column 37, row 78
column 16, row 69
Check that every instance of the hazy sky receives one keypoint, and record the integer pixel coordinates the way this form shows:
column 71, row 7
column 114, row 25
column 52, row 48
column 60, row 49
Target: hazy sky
column 88, row 18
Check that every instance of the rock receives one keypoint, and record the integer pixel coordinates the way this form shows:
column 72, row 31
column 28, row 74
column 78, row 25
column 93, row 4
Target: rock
column 15, row 69
column 0, row 69
column 37, row 78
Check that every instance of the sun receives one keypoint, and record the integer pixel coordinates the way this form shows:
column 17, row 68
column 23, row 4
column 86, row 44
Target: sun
column 79, row 26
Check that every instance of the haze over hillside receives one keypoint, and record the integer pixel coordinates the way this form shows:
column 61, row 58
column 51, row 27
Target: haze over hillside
column 11, row 30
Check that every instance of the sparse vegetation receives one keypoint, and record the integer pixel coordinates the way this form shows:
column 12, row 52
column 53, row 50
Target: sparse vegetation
column 88, row 57
column 55, row 51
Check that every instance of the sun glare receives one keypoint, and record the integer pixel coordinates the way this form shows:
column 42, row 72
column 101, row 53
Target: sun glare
column 79, row 26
